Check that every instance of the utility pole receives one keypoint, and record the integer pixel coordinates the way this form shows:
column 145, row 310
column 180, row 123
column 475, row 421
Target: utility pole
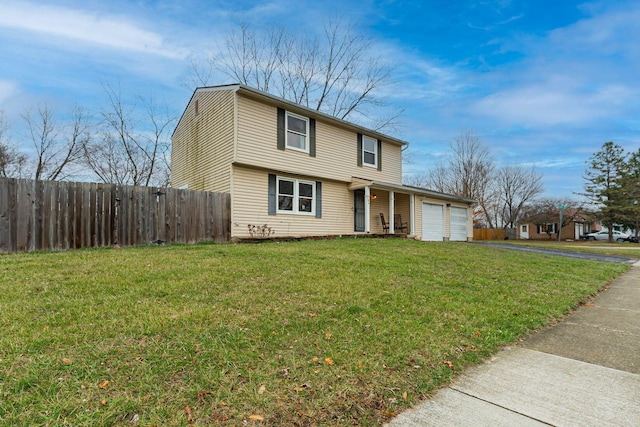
column 561, row 208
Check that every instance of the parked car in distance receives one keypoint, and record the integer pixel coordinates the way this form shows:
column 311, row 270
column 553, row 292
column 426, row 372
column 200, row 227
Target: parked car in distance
column 604, row 235
column 632, row 239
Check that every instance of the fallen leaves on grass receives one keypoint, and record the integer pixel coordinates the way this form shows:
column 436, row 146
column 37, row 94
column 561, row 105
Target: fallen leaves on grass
column 204, row 394
column 262, row 389
column 590, row 305
column 302, row 387
column 256, row 417
column 190, row 419
column 448, row 363
column 103, row 384
column 66, row 361
column 328, row 361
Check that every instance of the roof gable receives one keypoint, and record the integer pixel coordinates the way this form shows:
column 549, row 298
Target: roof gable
column 293, row 107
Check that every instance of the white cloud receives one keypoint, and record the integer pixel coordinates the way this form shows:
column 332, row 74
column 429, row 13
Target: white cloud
column 83, row 26
column 582, row 75
column 547, row 104
column 7, row 90
column 614, row 31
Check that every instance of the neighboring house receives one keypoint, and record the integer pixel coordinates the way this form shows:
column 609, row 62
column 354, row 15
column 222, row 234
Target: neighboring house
column 302, row 172
column 542, row 228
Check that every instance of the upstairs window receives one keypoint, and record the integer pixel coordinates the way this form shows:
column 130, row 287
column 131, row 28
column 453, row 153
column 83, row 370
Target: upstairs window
column 297, row 132
column 369, row 151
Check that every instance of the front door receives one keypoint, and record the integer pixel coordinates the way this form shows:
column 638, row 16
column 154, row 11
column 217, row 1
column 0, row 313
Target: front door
column 358, row 210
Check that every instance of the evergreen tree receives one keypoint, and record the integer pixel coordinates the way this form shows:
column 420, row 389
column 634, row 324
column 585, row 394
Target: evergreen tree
column 605, row 183
column 631, row 185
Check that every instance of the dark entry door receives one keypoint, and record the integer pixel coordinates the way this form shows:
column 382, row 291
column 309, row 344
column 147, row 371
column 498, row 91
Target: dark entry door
column 358, row 210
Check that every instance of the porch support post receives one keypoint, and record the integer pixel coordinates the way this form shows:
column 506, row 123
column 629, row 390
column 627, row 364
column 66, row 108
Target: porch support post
column 412, row 214
column 367, row 209
column 392, row 202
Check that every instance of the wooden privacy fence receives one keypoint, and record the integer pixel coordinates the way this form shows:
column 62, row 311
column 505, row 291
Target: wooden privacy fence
column 489, row 233
column 55, row 215
column 495, row 233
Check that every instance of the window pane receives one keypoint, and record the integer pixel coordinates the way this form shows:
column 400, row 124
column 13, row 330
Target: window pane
column 305, row 205
column 285, row 203
column 369, row 158
column 285, row 187
column 296, row 141
column 369, row 144
column 306, row 190
column 297, row 125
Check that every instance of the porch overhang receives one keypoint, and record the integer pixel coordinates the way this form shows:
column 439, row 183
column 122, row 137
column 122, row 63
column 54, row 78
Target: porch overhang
column 369, row 185
column 360, row 183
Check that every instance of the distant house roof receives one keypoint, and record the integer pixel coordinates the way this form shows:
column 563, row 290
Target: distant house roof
column 576, row 216
column 291, row 106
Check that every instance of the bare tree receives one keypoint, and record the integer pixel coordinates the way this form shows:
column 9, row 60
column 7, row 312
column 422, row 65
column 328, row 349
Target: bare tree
column 515, row 186
column 467, row 172
column 419, row 180
column 130, row 150
column 335, row 72
column 12, row 161
column 57, row 147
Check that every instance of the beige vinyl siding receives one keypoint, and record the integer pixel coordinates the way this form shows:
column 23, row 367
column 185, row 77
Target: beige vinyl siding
column 417, row 215
column 378, row 206
column 202, row 145
column 336, row 148
column 250, row 202
column 403, row 207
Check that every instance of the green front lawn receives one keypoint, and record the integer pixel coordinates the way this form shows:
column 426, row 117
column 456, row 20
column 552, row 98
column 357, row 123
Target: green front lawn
column 336, row 332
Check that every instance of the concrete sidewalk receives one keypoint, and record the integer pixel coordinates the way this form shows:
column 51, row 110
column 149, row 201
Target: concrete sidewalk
column 584, row 371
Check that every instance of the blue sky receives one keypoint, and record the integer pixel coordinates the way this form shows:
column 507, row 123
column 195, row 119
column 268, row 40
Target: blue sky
column 542, row 82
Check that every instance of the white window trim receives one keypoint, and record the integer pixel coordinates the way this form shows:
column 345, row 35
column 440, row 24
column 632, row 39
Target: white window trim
column 296, row 196
column 375, row 152
column 286, row 129
column 539, row 228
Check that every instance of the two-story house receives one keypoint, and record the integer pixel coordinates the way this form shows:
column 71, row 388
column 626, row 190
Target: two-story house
column 302, row 172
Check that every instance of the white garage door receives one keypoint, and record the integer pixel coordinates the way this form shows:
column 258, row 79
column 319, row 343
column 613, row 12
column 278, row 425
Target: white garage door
column 432, row 222
column 458, row 224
